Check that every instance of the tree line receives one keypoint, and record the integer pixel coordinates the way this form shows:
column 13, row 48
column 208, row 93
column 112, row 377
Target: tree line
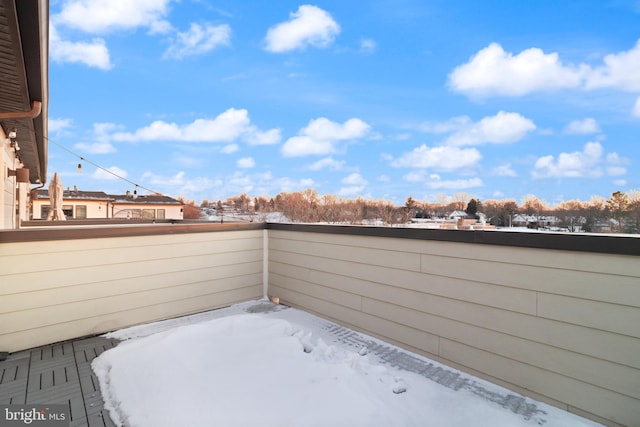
column 619, row 213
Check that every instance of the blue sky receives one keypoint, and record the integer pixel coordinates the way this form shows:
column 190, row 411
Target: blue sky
column 378, row 99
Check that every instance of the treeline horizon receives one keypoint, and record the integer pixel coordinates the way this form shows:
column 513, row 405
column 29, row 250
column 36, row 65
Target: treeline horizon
column 621, row 210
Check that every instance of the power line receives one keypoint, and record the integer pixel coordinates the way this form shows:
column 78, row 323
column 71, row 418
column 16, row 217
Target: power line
column 83, row 159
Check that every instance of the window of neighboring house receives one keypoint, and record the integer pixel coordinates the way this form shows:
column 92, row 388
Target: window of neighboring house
column 81, row 211
column 44, row 211
column 161, row 214
column 148, row 213
column 67, row 210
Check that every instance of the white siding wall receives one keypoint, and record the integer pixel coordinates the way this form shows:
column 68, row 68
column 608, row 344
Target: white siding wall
column 96, row 209
column 7, row 184
column 171, row 211
column 560, row 326
column 61, row 289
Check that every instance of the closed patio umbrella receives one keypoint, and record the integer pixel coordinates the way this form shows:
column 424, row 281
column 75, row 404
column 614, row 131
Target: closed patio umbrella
column 55, row 196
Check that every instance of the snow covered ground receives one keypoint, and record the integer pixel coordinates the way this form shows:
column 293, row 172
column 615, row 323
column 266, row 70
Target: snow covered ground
column 266, row 365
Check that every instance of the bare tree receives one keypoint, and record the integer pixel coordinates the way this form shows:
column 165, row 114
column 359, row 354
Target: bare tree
column 189, row 208
column 531, row 205
column 618, row 205
column 633, row 211
column 461, row 200
column 569, row 214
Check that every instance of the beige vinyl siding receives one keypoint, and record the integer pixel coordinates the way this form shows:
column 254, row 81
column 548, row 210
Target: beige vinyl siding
column 61, row 289
column 558, row 325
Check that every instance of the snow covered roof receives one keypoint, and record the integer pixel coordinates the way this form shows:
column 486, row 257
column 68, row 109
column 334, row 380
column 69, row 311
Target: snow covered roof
column 144, row 199
column 458, row 214
column 75, row 194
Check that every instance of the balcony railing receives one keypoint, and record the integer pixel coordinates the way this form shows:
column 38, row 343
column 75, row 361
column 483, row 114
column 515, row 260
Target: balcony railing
column 548, row 315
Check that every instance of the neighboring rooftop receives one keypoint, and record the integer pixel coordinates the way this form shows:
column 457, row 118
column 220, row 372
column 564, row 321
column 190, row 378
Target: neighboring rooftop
column 77, row 194
column 150, row 198
column 70, row 194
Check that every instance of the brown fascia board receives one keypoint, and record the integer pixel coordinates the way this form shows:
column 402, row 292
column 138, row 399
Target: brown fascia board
column 33, row 21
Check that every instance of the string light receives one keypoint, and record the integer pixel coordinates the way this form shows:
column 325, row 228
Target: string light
column 82, row 159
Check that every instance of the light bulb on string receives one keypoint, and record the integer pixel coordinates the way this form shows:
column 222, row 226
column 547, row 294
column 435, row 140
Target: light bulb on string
column 80, row 166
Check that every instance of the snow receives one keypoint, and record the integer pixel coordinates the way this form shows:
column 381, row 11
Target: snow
column 232, row 367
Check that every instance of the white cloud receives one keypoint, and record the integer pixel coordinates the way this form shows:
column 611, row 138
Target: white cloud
column 265, row 183
column 321, row 136
column 176, row 179
column 354, row 179
column 230, row 148
column 353, row 190
column 288, row 184
column 309, row 26
column 160, row 27
column 616, row 164
column 620, row 71
column 58, row 125
column 93, row 54
column 590, row 162
column 327, row 163
column 457, row 184
column 198, row 40
column 582, row 127
column 440, row 158
column 99, row 16
column 636, row 108
column 226, row 127
column 257, row 137
column 306, row 146
column 502, row 128
column 504, row 170
column 451, row 125
column 368, row 45
column 96, row 147
column 415, row 176
column 323, row 128
column 246, row 163
column 102, row 130
column 181, row 184
column 492, row 71
column 110, row 173
column 576, row 164
column 355, row 184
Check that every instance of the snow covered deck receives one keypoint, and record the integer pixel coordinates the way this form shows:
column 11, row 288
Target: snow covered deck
column 61, row 373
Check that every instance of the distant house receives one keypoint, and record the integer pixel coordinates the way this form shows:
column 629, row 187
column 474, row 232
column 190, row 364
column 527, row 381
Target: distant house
column 78, row 204
column 457, row 215
column 522, row 220
column 534, row 221
column 75, row 204
column 146, row 207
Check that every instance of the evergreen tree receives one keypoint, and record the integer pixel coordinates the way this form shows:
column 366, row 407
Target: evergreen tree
column 472, row 208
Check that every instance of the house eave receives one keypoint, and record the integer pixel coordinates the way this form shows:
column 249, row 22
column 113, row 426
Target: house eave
column 24, row 56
